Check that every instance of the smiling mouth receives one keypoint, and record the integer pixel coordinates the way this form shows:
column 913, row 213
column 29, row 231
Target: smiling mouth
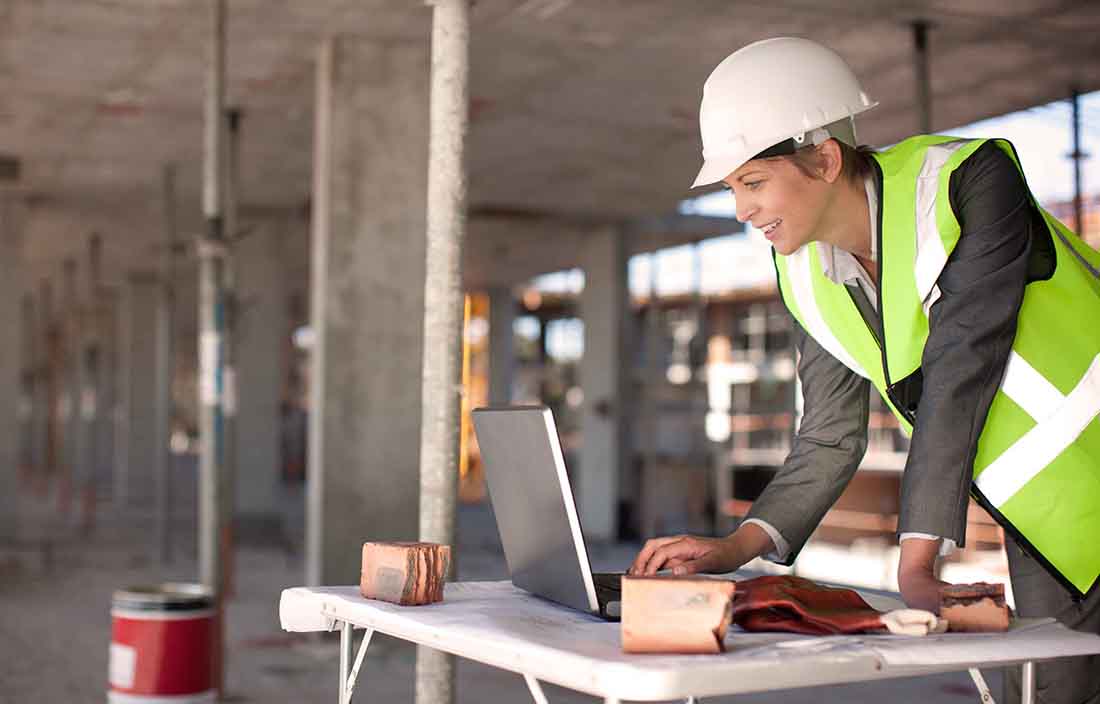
column 767, row 229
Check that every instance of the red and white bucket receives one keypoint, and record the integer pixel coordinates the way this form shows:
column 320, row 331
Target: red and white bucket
column 161, row 640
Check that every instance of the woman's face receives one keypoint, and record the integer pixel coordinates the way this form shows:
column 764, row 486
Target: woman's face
column 780, row 200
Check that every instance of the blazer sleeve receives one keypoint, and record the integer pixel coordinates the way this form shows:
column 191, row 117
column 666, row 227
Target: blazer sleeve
column 971, row 329
column 826, row 451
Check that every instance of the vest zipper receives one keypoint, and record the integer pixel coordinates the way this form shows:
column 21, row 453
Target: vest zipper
column 894, row 400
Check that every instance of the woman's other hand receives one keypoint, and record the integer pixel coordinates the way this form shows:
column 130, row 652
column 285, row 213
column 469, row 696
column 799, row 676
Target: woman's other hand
column 920, row 588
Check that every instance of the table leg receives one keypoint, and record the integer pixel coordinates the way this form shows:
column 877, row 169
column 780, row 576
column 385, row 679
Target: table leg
column 1027, row 683
column 345, row 660
column 983, row 688
column 536, row 690
column 347, row 644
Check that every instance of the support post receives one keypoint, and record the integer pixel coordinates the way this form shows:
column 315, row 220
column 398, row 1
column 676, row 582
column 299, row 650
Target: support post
column 502, row 359
column 212, row 255
column 165, row 366
column 11, row 251
column 924, row 86
column 70, row 391
column 604, row 378
column 90, row 358
column 44, row 394
column 1077, row 156
column 231, row 393
column 443, row 307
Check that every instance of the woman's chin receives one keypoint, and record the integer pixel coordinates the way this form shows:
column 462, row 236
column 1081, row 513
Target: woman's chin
column 782, row 247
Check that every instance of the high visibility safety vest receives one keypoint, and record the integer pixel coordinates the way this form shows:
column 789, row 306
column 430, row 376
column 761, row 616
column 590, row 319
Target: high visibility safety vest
column 1037, row 468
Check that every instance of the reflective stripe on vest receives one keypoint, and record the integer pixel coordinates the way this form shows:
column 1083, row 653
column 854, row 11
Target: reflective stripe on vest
column 1059, row 421
column 811, row 318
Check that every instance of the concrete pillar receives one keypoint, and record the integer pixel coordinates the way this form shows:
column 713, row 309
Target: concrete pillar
column 603, row 377
column 137, row 369
column 11, row 348
column 368, row 259
column 502, row 358
column 260, row 332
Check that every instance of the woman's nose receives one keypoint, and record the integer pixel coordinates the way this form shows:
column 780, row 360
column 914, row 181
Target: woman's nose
column 743, row 210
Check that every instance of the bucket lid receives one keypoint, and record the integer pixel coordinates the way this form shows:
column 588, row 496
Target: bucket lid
column 169, row 596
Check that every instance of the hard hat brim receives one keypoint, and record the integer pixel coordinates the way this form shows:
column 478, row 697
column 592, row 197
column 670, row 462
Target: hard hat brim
column 714, row 170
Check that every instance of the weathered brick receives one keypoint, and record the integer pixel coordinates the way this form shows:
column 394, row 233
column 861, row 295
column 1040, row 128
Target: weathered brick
column 409, row 574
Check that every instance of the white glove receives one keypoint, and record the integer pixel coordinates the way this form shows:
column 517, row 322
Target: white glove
column 913, row 622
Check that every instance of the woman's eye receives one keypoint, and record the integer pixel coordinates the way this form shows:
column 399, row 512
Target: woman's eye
column 752, row 185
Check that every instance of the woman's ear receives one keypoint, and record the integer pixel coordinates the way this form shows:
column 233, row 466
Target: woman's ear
column 831, row 160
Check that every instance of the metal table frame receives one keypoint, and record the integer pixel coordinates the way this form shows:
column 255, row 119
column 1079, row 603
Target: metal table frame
column 349, row 671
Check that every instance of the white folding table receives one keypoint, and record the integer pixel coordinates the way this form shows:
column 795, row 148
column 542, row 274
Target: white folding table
column 500, row 625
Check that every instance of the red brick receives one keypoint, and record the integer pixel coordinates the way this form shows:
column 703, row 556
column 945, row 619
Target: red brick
column 974, row 608
column 409, row 574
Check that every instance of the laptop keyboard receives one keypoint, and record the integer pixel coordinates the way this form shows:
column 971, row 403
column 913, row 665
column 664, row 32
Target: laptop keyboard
column 608, row 581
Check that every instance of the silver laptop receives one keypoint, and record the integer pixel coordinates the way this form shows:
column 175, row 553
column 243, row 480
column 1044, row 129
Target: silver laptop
column 535, row 512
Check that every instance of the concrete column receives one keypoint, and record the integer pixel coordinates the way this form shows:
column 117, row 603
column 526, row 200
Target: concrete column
column 137, row 368
column 502, row 358
column 11, row 347
column 368, row 259
column 260, row 331
column 603, row 375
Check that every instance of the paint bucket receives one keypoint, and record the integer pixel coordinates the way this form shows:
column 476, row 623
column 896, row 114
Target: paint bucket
column 161, row 640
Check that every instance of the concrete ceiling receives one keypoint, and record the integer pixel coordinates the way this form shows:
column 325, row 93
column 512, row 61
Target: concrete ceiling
column 583, row 111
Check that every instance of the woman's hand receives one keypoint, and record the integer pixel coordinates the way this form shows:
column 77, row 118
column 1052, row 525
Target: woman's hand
column 686, row 554
column 920, row 589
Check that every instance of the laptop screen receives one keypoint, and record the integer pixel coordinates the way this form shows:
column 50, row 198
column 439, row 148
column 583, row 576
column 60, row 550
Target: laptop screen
column 533, row 503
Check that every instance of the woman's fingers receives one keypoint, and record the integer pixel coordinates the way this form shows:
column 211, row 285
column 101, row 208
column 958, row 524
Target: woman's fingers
column 647, row 552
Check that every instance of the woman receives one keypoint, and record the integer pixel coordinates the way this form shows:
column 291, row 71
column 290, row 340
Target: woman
column 929, row 271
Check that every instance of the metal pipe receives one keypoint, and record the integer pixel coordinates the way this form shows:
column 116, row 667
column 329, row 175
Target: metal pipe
column 211, row 316
column 91, row 398
column 165, row 347
column 441, row 378
column 924, row 87
column 1077, row 155
column 70, row 394
column 27, row 389
column 231, row 200
column 45, row 386
column 322, row 189
column 1027, row 683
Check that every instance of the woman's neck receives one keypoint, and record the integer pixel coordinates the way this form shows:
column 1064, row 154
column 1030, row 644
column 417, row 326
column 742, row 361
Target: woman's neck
column 847, row 222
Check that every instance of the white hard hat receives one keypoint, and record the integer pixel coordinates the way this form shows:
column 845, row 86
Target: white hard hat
column 772, row 97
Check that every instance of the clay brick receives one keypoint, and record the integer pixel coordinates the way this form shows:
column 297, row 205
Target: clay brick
column 665, row 614
column 974, row 608
column 409, row 574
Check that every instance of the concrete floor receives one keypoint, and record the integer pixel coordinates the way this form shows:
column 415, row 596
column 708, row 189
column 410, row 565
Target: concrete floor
column 55, row 625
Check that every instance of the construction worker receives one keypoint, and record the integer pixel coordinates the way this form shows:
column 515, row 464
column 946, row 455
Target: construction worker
column 929, row 271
